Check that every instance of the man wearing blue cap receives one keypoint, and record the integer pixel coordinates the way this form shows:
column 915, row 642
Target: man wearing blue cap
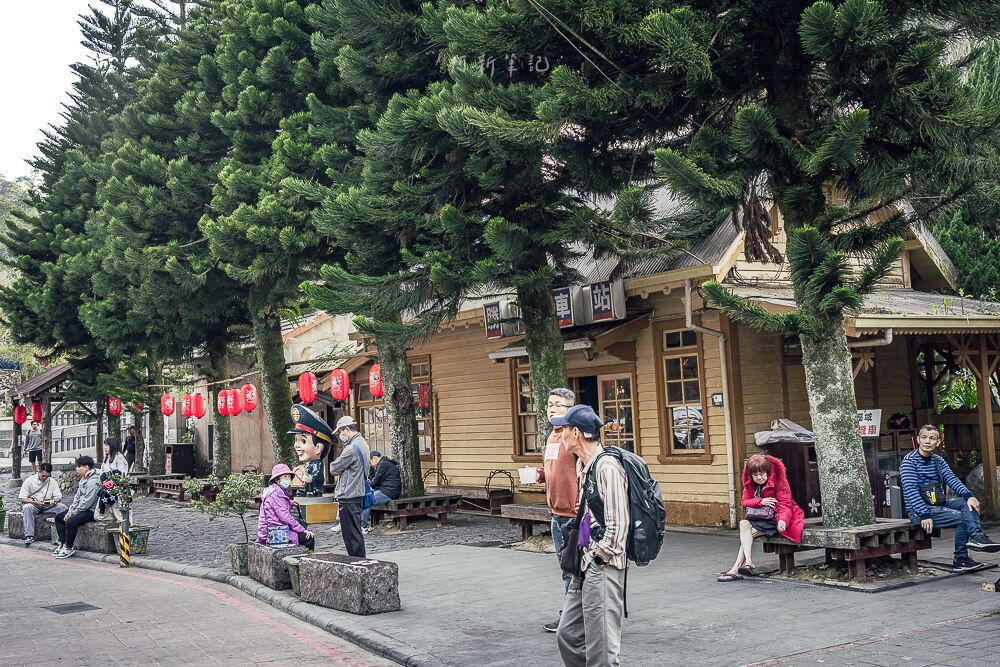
column 590, row 629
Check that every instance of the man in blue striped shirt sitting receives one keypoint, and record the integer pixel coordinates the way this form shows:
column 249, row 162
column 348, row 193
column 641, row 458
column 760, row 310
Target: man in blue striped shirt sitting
column 922, row 466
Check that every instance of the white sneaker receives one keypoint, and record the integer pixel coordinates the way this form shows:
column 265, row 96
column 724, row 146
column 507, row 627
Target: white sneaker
column 336, row 528
column 365, row 531
column 59, row 548
column 66, row 553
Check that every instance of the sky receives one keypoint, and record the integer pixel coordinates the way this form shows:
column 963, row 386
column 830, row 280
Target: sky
column 39, row 40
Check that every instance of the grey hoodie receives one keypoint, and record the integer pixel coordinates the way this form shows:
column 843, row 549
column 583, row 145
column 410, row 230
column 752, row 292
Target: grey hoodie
column 86, row 495
column 351, row 484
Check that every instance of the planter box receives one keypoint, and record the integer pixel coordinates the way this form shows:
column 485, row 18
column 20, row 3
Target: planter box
column 138, row 539
column 239, row 556
column 346, row 583
column 266, row 564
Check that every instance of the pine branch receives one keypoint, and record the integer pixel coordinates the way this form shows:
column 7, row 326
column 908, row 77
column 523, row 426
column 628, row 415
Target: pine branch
column 879, row 265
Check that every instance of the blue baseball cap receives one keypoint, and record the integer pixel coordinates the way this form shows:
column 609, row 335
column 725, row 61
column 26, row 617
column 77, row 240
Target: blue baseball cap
column 582, row 417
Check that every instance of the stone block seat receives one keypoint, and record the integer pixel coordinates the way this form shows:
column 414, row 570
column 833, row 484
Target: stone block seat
column 355, row 585
column 854, row 545
column 265, row 564
column 97, row 536
column 404, row 508
column 527, row 516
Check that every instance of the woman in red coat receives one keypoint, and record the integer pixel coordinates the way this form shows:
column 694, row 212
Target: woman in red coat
column 771, row 510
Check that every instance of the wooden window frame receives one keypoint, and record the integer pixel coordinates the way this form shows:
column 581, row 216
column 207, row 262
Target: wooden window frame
column 614, row 369
column 666, row 455
column 359, row 404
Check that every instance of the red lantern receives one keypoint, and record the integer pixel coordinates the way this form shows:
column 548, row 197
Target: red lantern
column 234, row 402
column 36, row 412
column 308, row 388
column 20, row 414
column 167, row 404
column 114, row 407
column 249, row 397
column 187, row 405
column 221, row 402
column 423, row 396
column 340, row 384
column 375, row 381
column 198, row 405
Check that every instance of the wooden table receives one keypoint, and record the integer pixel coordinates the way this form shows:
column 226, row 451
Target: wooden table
column 526, row 515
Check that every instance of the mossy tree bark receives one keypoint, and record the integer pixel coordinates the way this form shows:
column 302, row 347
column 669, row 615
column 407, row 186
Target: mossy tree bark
column 544, row 343
column 276, row 395
column 157, row 436
column 222, row 457
column 114, row 429
column 15, row 470
column 400, row 415
column 102, row 403
column 843, row 475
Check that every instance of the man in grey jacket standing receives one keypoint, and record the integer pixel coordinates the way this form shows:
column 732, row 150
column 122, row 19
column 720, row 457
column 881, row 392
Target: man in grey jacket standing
column 81, row 510
column 352, row 466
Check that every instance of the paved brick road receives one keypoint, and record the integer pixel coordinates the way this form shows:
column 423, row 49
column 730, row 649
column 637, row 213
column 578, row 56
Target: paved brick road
column 147, row 618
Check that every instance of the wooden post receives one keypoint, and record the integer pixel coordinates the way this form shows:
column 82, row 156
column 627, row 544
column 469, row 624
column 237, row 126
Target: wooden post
column 15, row 459
column 46, row 402
column 987, row 441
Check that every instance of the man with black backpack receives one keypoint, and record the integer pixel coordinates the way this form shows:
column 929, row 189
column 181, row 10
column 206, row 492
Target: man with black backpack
column 591, row 624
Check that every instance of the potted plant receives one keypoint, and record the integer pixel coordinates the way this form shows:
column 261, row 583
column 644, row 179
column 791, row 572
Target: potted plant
column 119, row 486
column 236, row 495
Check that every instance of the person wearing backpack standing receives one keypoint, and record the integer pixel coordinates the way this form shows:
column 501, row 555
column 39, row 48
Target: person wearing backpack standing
column 559, row 476
column 590, row 629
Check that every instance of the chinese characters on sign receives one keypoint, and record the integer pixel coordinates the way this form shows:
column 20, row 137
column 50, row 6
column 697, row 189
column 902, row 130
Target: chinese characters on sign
column 564, row 306
column 488, row 64
column 601, row 301
column 491, row 312
column 869, row 422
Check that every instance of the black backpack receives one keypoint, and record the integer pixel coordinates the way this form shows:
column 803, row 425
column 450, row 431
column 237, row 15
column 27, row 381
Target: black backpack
column 647, row 515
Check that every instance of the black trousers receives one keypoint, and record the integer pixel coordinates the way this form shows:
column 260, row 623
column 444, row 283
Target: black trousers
column 350, row 526
column 67, row 529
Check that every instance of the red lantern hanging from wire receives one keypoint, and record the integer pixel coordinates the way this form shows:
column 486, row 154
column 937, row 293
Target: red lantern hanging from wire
column 114, row 406
column 340, row 385
column 221, row 402
column 249, row 397
column 234, row 402
column 198, row 405
column 20, row 414
column 308, row 387
column 187, row 405
column 375, row 381
column 36, row 412
column 167, row 404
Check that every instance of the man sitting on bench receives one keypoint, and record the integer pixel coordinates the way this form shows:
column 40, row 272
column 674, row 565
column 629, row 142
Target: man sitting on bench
column 925, row 478
column 39, row 495
column 386, row 484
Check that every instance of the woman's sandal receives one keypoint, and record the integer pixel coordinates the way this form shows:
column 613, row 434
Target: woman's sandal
column 728, row 576
column 750, row 571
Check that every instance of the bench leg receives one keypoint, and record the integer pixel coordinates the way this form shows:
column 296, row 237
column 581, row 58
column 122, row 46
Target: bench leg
column 911, row 561
column 858, row 570
column 525, row 531
column 443, row 516
column 786, row 562
column 402, row 522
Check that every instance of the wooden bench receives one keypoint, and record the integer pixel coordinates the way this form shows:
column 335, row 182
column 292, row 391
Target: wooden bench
column 477, row 498
column 173, row 488
column 404, row 508
column 526, row 515
column 854, row 545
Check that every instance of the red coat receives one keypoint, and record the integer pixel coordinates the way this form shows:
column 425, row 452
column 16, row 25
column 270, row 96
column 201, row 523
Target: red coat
column 776, row 486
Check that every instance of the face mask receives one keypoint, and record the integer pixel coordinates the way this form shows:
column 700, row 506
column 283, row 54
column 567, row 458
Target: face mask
column 344, row 437
column 284, row 483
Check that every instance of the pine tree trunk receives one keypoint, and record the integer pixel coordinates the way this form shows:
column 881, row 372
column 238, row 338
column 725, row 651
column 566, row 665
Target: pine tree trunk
column 399, row 413
column 46, row 428
column 277, row 397
column 544, row 343
column 843, row 475
column 99, row 439
column 157, row 452
column 15, row 458
column 222, row 457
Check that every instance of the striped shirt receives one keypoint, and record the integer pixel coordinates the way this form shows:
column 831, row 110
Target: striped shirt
column 916, row 470
column 612, row 487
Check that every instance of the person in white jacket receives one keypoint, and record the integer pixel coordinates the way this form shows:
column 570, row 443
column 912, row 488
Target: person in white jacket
column 39, row 494
column 114, row 461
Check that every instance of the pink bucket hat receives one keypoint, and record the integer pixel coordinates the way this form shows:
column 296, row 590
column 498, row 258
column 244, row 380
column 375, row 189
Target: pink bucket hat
column 279, row 470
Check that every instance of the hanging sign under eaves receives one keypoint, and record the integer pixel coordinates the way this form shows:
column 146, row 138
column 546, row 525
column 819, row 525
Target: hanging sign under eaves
column 575, row 306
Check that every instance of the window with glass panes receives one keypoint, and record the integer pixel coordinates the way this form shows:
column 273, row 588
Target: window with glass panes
column 372, row 418
column 682, row 378
column 616, row 411
column 526, row 440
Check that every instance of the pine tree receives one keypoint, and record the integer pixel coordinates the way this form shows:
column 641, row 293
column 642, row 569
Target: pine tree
column 260, row 234
column 838, row 112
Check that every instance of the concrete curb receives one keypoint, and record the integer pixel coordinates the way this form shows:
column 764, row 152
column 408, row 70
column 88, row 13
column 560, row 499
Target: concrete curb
column 325, row 619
